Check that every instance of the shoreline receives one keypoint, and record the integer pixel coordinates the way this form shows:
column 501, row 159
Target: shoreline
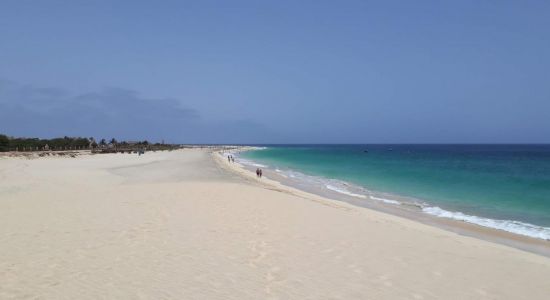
column 517, row 241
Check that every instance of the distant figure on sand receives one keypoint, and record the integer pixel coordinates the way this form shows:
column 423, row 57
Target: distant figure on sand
column 260, row 173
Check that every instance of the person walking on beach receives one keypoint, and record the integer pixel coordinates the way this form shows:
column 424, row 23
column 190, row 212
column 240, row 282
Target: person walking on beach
column 229, row 158
column 260, row 173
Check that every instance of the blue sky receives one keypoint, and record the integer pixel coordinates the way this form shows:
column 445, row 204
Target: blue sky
column 277, row 71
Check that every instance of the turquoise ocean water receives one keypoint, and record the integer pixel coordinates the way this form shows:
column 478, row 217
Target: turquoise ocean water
column 501, row 186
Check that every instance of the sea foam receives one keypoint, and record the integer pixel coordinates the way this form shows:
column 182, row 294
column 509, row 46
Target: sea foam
column 388, row 201
column 249, row 162
column 344, row 191
column 516, row 227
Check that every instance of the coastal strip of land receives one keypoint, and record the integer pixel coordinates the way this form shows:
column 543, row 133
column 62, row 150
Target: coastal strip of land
column 187, row 224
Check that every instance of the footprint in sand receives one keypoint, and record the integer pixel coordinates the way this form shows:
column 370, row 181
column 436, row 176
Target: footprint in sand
column 258, row 248
column 354, row 268
column 385, row 280
column 273, row 276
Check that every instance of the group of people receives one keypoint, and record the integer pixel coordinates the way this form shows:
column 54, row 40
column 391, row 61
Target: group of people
column 231, row 159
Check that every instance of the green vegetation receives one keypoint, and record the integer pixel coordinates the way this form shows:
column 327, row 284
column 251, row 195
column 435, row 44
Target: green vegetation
column 33, row 144
column 75, row 143
column 4, row 143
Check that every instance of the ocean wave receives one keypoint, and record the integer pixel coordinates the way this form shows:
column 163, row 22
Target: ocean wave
column 388, row 201
column 250, row 148
column 516, row 227
column 344, row 191
column 249, row 162
column 237, row 151
column 281, row 173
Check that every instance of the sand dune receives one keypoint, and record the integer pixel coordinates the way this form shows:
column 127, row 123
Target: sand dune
column 179, row 225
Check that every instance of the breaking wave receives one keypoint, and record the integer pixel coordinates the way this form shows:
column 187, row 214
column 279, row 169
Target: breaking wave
column 516, row 227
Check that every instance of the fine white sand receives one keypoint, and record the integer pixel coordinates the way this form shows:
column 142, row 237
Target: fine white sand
column 188, row 225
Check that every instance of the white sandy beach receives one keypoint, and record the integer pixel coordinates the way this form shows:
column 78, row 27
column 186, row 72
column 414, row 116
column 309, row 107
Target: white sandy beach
column 188, row 225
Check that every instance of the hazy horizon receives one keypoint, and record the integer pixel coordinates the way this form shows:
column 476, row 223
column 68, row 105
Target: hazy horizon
column 288, row 72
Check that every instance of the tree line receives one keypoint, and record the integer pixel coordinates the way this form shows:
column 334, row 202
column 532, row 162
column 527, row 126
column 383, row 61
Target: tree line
column 65, row 143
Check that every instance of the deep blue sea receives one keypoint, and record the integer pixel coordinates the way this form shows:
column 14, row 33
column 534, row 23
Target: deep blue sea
column 501, row 186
